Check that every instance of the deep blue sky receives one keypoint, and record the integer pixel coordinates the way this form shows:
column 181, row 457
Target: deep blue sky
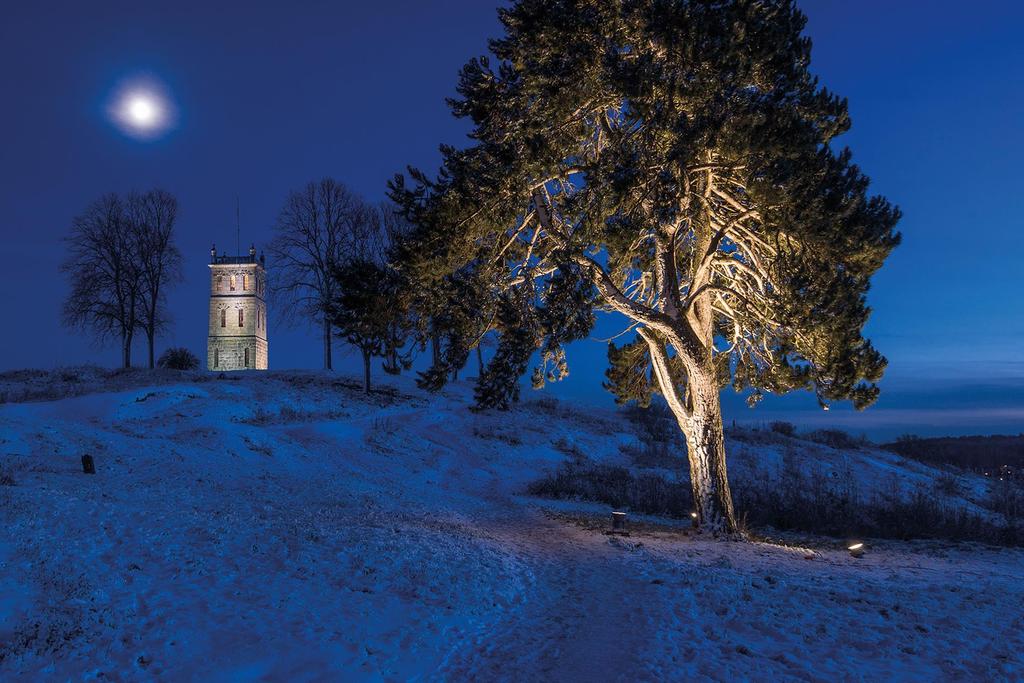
column 272, row 95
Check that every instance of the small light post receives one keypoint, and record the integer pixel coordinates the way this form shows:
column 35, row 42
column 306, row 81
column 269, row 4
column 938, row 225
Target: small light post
column 696, row 522
column 619, row 523
column 88, row 465
column 856, row 549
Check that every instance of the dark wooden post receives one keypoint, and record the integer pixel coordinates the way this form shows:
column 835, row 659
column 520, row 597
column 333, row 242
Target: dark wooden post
column 88, row 466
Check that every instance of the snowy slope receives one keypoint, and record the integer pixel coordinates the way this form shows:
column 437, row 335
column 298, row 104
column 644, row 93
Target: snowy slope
column 283, row 527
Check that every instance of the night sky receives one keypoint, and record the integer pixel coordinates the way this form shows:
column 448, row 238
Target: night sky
column 269, row 96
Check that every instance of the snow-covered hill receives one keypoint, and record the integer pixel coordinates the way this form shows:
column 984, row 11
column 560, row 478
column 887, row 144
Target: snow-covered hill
column 285, row 527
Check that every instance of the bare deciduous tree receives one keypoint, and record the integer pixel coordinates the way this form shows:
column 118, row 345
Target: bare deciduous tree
column 152, row 217
column 320, row 225
column 104, row 274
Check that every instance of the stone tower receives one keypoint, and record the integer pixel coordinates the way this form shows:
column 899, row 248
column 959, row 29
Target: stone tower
column 238, row 312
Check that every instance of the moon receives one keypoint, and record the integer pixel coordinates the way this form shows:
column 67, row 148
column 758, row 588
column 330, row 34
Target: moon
column 141, row 109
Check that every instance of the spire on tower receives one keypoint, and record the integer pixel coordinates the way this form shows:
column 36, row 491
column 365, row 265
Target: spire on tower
column 238, row 226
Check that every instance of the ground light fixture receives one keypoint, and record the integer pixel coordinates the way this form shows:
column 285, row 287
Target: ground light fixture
column 619, row 522
column 856, row 549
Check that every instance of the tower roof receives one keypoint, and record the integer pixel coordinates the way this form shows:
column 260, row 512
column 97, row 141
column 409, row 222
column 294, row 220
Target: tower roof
column 223, row 259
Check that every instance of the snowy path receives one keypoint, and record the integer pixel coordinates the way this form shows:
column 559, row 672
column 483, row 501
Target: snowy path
column 586, row 615
column 319, row 537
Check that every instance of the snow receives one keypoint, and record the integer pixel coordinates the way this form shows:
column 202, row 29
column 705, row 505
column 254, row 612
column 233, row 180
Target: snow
column 284, row 527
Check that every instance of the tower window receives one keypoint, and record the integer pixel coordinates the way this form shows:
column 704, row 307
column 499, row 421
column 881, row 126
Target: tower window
column 220, row 283
column 232, row 283
column 216, row 358
column 223, row 317
column 245, row 282
column 241, row 317
column 247, row 356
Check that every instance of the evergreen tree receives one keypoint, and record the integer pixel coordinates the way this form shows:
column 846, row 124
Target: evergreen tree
column 451, row 309
column 462, row 313
column 675, row 160
column 367, row 311
column 370, row 302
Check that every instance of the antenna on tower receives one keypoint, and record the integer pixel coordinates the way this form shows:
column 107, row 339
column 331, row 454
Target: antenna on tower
column 238, row 226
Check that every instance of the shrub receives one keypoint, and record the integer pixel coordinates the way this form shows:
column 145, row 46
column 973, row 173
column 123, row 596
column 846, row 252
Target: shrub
column 496, row 434
column 784, row 428
column 797, row 500
column 661, row 443
column 618, row 487
column 988, row 454
column 756, row 436
column 810, row 502
column 381, row 435
column 836, row 438
column 1007, row 498
column 178, row 358
column 571, row 449
column 548, row 404
column 948, row 484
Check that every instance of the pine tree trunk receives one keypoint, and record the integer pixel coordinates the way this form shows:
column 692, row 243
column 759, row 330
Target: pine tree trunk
column 328, row 365
column 151, row 339
column 705, row 442
column 700, row 420
column 435, row 348
column 479, row 361
column 366, row 371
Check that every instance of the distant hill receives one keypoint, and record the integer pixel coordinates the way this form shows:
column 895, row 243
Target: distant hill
column 976, row 453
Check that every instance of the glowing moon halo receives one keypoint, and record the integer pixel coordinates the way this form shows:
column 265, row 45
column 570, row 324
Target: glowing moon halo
column 141, row 109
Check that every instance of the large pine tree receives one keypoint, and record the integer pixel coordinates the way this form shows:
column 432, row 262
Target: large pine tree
column 672, row 161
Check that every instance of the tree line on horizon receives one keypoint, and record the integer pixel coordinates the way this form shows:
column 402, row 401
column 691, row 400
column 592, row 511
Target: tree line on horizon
column 673, row 163
column 333, row 259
